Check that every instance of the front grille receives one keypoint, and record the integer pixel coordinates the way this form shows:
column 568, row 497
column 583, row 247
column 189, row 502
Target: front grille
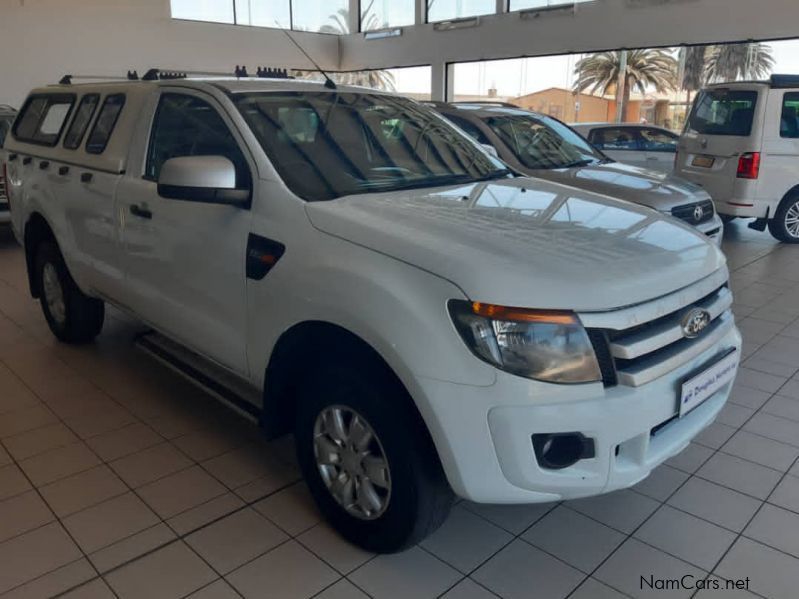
column 645, row 352
column 691, row 214
column 3, row 194
column 4, row 206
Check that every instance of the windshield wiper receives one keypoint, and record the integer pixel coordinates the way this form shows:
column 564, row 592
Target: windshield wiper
column 579, row 163
column 497, row 174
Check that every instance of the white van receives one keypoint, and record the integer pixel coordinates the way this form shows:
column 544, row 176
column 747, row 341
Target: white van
column 741, row 143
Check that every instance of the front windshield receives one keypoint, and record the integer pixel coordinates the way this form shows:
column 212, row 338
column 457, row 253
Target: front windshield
column 326, row 145
column 543, row 143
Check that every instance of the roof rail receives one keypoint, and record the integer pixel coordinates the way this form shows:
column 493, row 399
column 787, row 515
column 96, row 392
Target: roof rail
column 67, row 79
column 162, row 74
column 158, row 74
column 485, row 103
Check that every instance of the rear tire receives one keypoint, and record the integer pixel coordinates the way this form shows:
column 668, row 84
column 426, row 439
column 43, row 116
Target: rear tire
column 410, row 498
column 785, row 224
column 72, row 316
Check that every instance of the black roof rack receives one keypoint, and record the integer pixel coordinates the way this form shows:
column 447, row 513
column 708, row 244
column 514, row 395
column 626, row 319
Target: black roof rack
column 784, row 81
column 269, row 73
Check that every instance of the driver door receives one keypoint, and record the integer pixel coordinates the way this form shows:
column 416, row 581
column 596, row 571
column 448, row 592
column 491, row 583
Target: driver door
column 185, row 260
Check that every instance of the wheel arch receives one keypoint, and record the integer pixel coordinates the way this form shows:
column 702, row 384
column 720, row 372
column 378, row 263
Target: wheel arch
column 37, row 230
column 294, row 355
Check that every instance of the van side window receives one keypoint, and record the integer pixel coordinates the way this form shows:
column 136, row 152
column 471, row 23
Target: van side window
column 43, row 118
column 105, row 123
column 83, row 116
column 789, row 120
column 188, row 126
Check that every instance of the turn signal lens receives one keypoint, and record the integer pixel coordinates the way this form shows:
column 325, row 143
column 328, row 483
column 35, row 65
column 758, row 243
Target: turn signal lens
column 523, row 314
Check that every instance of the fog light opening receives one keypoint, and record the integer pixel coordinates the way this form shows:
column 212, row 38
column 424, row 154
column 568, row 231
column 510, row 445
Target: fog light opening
column 556, row 451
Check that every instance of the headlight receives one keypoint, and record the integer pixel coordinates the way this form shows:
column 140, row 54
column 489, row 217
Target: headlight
column 544, row 345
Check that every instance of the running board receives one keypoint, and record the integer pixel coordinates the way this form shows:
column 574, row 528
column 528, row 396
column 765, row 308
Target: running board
column 205, row 374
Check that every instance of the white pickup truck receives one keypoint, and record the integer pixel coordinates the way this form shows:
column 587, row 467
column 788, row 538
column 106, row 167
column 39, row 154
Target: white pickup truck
column 345, row 265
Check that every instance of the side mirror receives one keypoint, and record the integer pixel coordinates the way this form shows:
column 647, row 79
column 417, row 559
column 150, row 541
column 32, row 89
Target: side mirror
column 207, row 179
column 491, row 150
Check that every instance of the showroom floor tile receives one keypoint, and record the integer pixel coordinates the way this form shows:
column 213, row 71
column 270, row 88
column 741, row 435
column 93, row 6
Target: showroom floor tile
column 119, row 479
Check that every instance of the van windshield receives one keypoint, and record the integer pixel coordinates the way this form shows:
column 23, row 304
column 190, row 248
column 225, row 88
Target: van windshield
column 325, row 145
column 723, row 112
column 543, row 143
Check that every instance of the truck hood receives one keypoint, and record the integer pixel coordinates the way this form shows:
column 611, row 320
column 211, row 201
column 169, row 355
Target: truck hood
column 661, row 191
column 527, row 243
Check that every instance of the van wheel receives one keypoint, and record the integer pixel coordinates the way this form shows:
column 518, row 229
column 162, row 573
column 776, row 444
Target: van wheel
column 785, row 224
column 72, row 316
column 368, row 460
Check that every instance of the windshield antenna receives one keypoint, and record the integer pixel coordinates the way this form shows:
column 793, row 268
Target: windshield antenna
column 329, row 83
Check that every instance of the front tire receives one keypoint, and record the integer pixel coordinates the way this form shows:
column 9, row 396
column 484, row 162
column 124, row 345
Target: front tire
column 367, row 458
column 72, row 316
column 785, row 224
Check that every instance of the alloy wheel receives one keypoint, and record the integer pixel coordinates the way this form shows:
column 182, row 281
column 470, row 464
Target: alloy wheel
column 792, row 220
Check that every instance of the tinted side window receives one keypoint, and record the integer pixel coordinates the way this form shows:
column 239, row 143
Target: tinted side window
column 615, row 138
column 83, row 116
column 656, row 140
column 105, row 123
column 471, row 129
column 188, row 126
column 43, row 118
column 789, row 120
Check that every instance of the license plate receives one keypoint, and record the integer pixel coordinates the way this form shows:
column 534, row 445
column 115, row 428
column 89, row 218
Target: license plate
column 704, row 161
column 699, row 388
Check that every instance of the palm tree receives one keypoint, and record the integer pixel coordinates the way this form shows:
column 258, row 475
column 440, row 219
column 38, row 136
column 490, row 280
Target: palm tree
column 645, row 69
column 339, row 25
column 731, row 62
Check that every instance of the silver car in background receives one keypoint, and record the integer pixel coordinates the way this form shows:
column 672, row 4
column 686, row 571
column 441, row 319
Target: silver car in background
column 543, row 147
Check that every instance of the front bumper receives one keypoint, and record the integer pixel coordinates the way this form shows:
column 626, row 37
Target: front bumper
column 714, row 229
column 484, row 434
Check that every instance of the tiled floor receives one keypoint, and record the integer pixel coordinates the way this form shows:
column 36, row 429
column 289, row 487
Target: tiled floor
column 117, row 478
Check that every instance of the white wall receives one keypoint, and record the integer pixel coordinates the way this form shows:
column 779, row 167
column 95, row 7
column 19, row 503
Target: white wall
column 41, row 40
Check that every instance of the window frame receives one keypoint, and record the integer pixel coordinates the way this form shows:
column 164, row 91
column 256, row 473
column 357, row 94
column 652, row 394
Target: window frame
column 209, row 100
column 53, row 98
column 634, row 131
column 673, row 136
column 113, row 125
column 88, row 122
column 794, row 96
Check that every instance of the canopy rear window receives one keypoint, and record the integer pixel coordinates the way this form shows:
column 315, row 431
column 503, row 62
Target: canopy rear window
column 43, row 117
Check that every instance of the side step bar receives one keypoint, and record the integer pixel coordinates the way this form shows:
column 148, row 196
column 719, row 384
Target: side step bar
column 210, row 377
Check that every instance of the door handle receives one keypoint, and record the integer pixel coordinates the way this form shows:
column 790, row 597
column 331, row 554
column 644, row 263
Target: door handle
column 44, row 165
column 27, row 160
column 86, row 177
column 141, row 212
column 63, row 170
